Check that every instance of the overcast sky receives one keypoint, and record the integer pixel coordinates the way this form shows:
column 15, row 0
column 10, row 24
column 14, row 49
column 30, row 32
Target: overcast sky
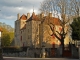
column 10, row 8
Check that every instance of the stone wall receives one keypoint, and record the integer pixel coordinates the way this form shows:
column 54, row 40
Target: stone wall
column 19, row 54
column 31, row 53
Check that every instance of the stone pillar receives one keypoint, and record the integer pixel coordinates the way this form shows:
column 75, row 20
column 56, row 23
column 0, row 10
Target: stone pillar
column 43, row 52
column 28, row 52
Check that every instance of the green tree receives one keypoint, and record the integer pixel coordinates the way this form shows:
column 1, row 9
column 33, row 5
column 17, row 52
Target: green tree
column 7, row 34
column 7, row 27
column 11, row 34
column 76, row 28
column 5, row 39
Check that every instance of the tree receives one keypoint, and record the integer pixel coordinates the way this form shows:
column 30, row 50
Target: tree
column 11, row 34
column 63, row 10
column 76, row 29
column 7, row 27
column 7, row 34
column 7, row 37
column 5, row 40
column 71, row 7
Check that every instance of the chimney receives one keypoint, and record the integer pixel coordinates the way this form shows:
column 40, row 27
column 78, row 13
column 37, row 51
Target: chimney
column 42, row 15
column 28, row 15
column 50, row 14
column 18, row 16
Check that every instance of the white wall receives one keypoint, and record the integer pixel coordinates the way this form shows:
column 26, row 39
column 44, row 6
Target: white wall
column 0, row 38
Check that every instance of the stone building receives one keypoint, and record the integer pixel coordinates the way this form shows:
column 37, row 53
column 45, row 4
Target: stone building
column 34, row 31
column 27, row 30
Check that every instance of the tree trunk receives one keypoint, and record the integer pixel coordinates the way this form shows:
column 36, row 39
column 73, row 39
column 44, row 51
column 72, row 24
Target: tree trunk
column 62, row 44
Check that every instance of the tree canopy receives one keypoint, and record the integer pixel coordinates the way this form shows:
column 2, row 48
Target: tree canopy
column 7, row 34
column 76, row 29
column 70, row 7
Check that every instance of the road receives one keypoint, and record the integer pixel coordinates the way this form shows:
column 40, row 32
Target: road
column 20, row 58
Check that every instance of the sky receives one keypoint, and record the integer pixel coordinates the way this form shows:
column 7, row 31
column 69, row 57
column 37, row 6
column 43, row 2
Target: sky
column 10, row 8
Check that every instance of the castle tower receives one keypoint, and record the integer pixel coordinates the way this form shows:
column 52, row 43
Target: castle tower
column 19, row 24
column 32, row 30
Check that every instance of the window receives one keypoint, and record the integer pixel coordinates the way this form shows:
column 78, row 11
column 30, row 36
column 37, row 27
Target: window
column 21, row 38
column 23, row 44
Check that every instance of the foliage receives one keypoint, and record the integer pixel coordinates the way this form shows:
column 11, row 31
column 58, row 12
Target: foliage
column 7, row 27
column 7, row 34
column 11, row 34
column 76, row 28
column 6, row 39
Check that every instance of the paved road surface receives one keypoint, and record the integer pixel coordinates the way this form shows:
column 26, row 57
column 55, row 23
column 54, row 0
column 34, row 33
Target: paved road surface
column 20, row 58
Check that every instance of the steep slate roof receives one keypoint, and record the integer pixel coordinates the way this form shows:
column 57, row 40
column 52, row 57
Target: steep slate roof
column 23, row 17
column 33, row 17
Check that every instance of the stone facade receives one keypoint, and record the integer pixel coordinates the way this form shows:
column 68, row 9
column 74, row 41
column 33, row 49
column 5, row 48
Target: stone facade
column 33, row 31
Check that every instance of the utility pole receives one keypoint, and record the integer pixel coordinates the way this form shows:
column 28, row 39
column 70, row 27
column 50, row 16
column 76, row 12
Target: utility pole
column 1, row 57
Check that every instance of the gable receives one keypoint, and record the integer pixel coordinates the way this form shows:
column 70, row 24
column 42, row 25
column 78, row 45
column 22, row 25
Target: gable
column 23, row 17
